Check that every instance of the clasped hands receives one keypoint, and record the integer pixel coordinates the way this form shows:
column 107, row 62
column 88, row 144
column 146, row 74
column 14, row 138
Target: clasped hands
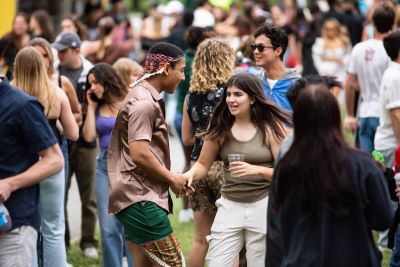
column 182, row 185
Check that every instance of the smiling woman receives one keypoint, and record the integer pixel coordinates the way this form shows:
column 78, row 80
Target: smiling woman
column 248, row 124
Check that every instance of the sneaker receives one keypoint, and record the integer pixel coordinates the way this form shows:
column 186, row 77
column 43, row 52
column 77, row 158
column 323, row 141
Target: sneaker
column 91, row 252
column 185, row 215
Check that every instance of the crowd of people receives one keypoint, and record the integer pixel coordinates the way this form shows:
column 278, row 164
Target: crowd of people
column 272, row 176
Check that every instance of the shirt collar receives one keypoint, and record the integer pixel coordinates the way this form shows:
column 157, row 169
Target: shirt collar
column 154, row 93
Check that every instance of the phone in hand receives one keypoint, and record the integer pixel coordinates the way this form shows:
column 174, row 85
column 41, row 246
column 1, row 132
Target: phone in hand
column 94, row 98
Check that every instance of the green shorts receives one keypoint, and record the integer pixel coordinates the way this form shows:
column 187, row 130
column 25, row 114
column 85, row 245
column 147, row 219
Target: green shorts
column 144, row 221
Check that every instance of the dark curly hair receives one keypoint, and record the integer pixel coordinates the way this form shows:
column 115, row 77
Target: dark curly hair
column 277, row 36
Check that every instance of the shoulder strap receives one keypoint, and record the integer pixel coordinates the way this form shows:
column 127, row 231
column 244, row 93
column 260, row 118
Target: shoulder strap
column 59, row 81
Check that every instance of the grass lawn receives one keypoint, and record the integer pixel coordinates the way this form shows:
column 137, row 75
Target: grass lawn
column 184, row 233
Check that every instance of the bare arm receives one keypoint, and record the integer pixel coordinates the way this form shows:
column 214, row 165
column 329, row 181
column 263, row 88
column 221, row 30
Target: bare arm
column 73, row 99
column 145, row 159
column 350, row 88
column 50, row 163
column 89, row 127
column 395, row 118
column 188, row 135
column 71, row 129
column 209, row 152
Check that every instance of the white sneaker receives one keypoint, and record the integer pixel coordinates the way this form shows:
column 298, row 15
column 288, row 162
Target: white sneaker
column 91, row 252
column 185, row 215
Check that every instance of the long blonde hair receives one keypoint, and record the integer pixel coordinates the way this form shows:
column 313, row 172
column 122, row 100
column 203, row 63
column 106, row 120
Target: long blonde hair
column 43, row 43
column 213, row 64
column 30, row 75
column 124, row 68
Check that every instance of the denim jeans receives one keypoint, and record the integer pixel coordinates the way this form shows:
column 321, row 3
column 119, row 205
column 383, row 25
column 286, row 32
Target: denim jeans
column 64, row 150
column 395, row 259
column 111, row 230
column 52, row 220
column 366, row 132
column 178, row 124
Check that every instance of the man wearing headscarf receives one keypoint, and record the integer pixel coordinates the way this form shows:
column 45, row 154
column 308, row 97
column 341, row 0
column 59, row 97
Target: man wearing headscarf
column 139, row 162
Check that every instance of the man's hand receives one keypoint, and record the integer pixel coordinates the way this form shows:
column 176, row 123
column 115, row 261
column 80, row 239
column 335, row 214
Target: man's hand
column 5, row 190
column 181, row 186
column 350, row 124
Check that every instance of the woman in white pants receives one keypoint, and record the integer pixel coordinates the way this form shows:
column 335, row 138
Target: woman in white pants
column 246, row 123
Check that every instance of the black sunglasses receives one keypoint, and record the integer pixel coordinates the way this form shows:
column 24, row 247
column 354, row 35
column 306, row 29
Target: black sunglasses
column 260, row 47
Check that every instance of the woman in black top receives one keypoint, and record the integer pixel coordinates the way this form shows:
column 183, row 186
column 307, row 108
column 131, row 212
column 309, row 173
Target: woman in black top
column 325, row 197
column 212, row 66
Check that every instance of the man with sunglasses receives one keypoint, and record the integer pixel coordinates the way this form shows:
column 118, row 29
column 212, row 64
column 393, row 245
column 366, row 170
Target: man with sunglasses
column 269, row 47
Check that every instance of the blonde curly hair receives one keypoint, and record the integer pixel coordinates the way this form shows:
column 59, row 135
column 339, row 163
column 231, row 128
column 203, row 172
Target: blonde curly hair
column 213, row 64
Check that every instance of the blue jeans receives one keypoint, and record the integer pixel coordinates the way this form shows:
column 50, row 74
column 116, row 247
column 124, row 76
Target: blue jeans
column 52, row 220
column 178, row 124
column 111, row 230
column 395, row 259
column 366, row 132
column 64, row 150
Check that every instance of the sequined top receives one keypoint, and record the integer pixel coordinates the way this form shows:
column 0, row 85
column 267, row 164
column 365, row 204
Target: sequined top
column 200, row 108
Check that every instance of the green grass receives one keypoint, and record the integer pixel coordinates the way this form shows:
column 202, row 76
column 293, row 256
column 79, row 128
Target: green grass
column 184, row 232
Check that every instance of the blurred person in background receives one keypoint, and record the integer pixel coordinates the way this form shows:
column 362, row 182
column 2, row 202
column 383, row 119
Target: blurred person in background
column 177, row 36
column 12, row 42
column 92, row 13
column 332, row 51
column 82, row 155
column 73, row 24
column 105, row 50
column 41, row 25
column 367, row 63
column 194, row 36
column 123, row 31
column 212, row 66
column 128, row 70
column 31, row 76
column 203, row 16
column 61, row 81
column 156, row 27
column 104, row 93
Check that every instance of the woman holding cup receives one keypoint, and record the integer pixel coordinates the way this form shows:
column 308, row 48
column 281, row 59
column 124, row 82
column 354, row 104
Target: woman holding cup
column 246, row 123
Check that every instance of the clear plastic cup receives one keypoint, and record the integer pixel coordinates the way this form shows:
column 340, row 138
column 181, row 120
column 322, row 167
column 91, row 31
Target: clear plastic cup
column 233, row 158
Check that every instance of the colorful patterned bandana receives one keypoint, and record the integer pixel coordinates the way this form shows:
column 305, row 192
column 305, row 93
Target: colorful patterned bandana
column 154, row 65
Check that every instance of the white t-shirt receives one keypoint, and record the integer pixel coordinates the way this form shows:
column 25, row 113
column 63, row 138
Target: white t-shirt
column 203, row 18
column 368, row 61
column 389, row 99
column 272, row 83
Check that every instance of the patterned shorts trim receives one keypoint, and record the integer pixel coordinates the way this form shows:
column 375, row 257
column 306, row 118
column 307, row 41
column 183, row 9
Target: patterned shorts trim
column 166, row 251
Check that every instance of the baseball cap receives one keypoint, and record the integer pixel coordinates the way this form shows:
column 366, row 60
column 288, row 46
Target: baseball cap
column 66, row 40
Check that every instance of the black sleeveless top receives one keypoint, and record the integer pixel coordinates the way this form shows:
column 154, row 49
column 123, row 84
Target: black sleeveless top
column 200, row 108
column 53, row 122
